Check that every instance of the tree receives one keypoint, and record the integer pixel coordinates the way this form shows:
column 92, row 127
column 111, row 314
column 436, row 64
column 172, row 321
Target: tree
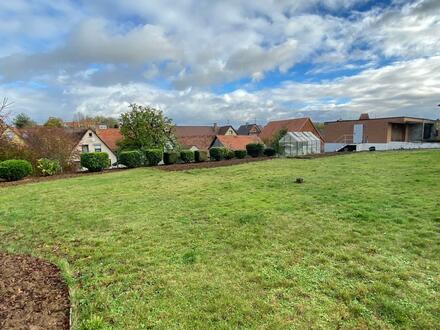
column 22, row 121
column 53, row 122
column 4, row 114
column 275, row 140
column 145, row 127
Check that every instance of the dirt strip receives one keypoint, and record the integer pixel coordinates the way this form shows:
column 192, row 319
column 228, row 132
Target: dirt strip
column 32, row 294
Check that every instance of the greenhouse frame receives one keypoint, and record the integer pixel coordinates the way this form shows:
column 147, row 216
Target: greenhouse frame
column 299, row 143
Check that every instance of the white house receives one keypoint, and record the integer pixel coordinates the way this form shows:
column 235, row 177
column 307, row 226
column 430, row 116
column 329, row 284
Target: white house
column 91, row 142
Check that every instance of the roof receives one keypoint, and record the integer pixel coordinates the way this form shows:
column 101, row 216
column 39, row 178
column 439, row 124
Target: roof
column 181, row 131
column 401, row 119
column 223, row 129
column 291, row 125
column 75, row 134
column 244, row 129
column 201, row 142
column 237, row 142
column 110, row 136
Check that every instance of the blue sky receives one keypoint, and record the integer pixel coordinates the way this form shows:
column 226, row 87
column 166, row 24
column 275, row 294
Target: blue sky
column 222, row 61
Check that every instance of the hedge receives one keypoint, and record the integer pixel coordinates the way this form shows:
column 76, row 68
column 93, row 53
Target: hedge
column 95, row 161
column 15, row 169
column 153, row 156
column 255, row 149
column 229, row 154
column 200, row 156
column 187, row 156
column 240, row 154
column 131, row 159
column 270, row 152
column 217, row 153
column 170, row 157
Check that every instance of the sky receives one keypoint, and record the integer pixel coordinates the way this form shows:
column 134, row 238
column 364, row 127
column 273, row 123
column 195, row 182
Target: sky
column 225, row 61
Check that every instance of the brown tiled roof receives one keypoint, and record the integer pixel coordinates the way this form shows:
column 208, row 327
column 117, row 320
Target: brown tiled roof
column 181, row 131
column 201, row 142
column 110, row 136
column 292, row 125
column 237, row 142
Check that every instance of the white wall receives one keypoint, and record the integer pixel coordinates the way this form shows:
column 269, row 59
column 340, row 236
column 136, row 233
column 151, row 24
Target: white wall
column 332, row 147
column 93, row 140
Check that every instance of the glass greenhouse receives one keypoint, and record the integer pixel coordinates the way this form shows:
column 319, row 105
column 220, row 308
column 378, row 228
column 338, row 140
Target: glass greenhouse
column 300, row 143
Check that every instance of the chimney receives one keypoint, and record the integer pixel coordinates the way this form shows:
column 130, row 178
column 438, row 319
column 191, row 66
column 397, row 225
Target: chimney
column 364, row 116
column 214, row 126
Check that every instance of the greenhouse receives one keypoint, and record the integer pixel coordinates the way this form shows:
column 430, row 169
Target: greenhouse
column 299, row 143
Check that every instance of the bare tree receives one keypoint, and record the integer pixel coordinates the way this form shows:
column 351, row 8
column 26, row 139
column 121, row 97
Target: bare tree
column 4, row 114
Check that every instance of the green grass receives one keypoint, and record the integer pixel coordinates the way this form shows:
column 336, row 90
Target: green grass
column 357, row 245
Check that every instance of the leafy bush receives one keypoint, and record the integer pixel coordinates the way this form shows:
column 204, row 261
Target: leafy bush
column 255, row 149
column 14, row 169
column 187, row 156
column 240, row 154
column 200, row 156
column 95, row 161
column 48, row 167
column 269, row 152
column 229, row 154
column 153, row 156
column 170, row 157
column 131, row 159
column 217, row 153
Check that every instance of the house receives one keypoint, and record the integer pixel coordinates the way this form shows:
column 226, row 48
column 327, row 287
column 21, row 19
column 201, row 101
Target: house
column 13, row 135
column 98, row 141
column 249, row 129
column 200, row 137
column 291, row 125
column 234, row 142
column 380, row 133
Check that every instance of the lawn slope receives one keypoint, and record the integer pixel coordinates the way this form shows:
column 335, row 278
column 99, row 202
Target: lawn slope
column 357, row 245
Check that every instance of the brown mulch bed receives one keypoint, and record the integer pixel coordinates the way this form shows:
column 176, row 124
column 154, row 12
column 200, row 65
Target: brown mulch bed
column 32, row 294
column 210, row 164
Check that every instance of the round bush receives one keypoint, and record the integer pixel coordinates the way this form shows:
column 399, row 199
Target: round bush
column 255, row 149
column 170, row 157
column 48, row 167
column 153, row 156
column 131, row 159
column 200, row 156
column 240, row 154
column 229, row 154
column 270, row 152
column 217, row 153
column 187, row 156
column 15, row 169
column 95, row 161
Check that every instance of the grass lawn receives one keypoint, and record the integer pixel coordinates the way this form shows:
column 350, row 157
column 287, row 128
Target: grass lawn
column 357, row 245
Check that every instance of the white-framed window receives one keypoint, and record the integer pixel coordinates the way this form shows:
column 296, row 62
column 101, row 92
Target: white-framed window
column 85, row 148
column 10, row 136
column 97, row 147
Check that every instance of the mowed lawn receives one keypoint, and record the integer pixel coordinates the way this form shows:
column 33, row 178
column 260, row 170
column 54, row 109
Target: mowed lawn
column 357, row 245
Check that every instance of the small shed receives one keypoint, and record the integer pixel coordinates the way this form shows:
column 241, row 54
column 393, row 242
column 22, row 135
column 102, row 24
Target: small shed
column 300, row 143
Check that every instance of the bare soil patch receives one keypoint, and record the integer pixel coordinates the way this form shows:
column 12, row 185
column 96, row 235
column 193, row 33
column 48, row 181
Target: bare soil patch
column 210, row 164
column 32, row 294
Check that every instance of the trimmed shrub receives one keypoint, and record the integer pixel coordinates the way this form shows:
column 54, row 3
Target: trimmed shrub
column 131, row 159
column 255, row 149
column 229, row 154
column 240, row 154
column 95, row 161
column 200, row 156
column 170, row 157
column 15, row 169
column 48, row 167
column 269, row 152
column 187, row 156
column 217, row 153
column 153, row 156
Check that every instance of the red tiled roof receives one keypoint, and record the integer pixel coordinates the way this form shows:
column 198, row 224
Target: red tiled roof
column 201, row 142
column 237, row 142
column 292, row 125
column 110, row 136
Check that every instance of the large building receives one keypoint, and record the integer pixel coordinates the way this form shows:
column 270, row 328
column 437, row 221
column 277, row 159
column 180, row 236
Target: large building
column 381, row 133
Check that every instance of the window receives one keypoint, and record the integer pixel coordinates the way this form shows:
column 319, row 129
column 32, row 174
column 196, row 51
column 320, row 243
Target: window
column 97, row 147
column 90, row 134
column 85, row 148
column 10, row 136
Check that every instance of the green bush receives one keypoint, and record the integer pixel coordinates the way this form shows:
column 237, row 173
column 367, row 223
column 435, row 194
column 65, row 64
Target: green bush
column 170, row 157
column 153, row 156
column 15, row 169
column 187, row 156
column 48, row 167
column 240, row 154
column 131, row 159
column 95, row 161
column 217, row 153
column 255, row 149
column 200, row 156
column 229, row 154
column 270, row 152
